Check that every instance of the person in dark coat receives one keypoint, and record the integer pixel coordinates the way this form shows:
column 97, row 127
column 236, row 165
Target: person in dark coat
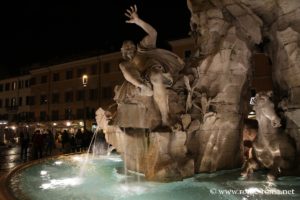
column 24, row 141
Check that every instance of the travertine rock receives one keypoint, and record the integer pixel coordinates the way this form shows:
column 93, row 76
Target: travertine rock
column 247, row 23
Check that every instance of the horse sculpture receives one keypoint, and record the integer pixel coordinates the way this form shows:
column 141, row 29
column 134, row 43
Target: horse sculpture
column 271, row 149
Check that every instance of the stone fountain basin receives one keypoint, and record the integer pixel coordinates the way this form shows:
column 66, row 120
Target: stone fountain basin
column 104, row 177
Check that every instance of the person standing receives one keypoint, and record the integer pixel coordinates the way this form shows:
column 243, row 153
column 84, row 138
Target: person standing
column 24, row 141
column 50, row 142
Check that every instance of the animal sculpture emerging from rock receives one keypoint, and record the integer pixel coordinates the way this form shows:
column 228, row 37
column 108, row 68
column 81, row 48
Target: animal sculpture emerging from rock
column 271, row 149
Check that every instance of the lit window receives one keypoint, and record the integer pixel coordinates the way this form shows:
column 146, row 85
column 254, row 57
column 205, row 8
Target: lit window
column 14, row 85
column 43, row 99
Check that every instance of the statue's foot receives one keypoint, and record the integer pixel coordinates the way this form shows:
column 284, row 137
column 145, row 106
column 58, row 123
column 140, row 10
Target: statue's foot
column 244, row 174
column 271, row 177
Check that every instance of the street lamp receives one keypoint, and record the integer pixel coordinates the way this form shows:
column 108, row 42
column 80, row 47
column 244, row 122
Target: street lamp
column 84, row 80
column 84, row 83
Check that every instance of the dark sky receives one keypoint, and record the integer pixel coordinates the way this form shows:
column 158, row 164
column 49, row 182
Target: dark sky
column 49, row 31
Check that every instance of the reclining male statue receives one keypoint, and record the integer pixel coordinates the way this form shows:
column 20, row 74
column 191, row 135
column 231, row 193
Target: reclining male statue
column 148, row 71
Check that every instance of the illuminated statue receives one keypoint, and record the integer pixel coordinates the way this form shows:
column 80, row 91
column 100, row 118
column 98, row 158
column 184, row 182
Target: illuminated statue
column 271, row 149
column 149, row 70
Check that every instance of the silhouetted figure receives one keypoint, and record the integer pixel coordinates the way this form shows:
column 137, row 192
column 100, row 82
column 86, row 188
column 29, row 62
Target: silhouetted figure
column 38, row 144
column 73, row 143
column 24, row 141
column 86, row 140
column 79, row 140
column 65, row 141
column 50, row 142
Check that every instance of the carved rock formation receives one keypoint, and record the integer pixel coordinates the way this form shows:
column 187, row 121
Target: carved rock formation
column 161, row 156
column 274, row 24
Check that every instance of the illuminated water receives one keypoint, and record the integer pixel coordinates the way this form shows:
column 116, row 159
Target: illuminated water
column 104, row 179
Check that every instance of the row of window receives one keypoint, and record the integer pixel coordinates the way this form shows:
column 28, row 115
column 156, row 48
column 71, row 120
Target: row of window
column 20, row 117
column 88, row 113
column 69, row 96
column 69, row 74
column 14, row 85
column 12, row 103
column 81, row 113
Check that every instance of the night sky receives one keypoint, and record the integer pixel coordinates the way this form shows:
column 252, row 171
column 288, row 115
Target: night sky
column 41, row 32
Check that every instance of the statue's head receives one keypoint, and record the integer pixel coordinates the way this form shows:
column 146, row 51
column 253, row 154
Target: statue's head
column 128, row 50
column 262, row 99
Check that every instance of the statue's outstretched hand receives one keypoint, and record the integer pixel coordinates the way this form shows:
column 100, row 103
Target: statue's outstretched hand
column 132, row 14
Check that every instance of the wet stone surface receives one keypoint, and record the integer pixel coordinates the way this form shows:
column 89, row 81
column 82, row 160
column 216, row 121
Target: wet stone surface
column 10, row 157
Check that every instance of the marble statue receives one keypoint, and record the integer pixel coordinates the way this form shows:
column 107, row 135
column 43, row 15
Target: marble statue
column 149, row 71
column 271, row 149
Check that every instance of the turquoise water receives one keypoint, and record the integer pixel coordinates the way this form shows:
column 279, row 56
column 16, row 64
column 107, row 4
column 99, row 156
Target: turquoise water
column 103, row 178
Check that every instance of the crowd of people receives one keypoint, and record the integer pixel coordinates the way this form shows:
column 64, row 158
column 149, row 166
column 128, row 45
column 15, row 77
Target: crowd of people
column 43, row 142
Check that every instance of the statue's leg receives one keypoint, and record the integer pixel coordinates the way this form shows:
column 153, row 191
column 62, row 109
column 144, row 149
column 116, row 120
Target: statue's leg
column 273, row 173
column 249, row 167
column 160, row 94
column 275, row 170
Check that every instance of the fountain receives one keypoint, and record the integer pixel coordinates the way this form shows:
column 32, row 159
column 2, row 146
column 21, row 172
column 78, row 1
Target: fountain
column 105, row 178
column 181, row 119
column 177, row 126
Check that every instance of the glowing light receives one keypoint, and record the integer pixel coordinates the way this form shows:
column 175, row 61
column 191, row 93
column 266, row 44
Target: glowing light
column 58, row 162
column 54, row 124
column 133, row 189
column 115, row 159
column 125, row 188
column 13, row 127
column 43, row 173
column 61, row 183
column 81, row 123
column 77, row 158
column 84, row 80
column 251, row 113
column 68, row 123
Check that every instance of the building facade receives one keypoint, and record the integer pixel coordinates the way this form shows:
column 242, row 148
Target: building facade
column 14, row 94
column 60, row 98
column 55, row 96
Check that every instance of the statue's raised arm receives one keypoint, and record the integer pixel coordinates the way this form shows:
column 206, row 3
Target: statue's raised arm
column 148, row 41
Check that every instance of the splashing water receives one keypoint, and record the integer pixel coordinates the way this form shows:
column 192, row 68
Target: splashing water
column 96, row 148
